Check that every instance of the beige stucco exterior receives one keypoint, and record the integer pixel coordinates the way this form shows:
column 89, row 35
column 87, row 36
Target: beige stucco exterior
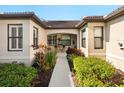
column 89, row 50
column 42, row 38
column 27, row 54
column 84, row 50
column 115, row 34
column 9, row 56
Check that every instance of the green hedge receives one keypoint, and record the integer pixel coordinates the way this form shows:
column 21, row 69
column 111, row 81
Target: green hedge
column 92, row 71
column 16, row 75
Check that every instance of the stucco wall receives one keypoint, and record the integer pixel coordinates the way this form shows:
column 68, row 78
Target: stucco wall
column 84, row 50
column 42, row 38
column 66, row 31
column 91, row 50
column 9, row 56
column 115, row 33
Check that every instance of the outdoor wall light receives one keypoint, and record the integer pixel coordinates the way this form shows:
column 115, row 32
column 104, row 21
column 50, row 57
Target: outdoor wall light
column 121, row 44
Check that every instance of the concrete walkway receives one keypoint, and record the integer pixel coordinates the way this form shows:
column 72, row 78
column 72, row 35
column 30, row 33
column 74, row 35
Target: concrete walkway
column 61, row 76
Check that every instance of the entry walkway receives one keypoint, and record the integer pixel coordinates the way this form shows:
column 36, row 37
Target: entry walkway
column 61, row 76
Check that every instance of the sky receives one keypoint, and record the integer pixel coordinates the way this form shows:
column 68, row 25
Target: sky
column 61, row 12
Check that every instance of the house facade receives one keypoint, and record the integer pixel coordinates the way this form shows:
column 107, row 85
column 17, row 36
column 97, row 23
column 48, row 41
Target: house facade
column 100, row 36
column 18, row 32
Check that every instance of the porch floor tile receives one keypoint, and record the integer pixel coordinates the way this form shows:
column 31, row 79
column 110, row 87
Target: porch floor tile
column 61, row 76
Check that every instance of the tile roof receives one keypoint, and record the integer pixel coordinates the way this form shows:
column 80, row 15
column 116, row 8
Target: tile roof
column 114, row 14
column 16, row 15
column 90, row 19
column 68, row 24
column 65, row 24
column 93, row 18
column 22, row 15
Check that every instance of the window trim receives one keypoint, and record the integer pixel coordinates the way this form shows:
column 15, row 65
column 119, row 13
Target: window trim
column 102, row 38
column 83, row 31
column 52, row 39
column 8, row 42
column 35, row 29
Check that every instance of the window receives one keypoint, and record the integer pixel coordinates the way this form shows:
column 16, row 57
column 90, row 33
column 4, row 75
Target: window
column 35, row 37
column 52, row 40
column 15, row 34
column 66, row 40
column 84, row 38
column 98, row 37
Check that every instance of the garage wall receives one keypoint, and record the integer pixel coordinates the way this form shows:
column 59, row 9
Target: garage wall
column 115, row 34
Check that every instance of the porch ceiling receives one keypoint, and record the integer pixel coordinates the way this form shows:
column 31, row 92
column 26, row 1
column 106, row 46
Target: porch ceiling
column 62, row 24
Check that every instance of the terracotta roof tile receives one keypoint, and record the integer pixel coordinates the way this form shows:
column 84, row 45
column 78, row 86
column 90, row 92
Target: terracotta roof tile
column 93, row 18
column 46, row 24
column 67, row 24
column 22, row 15
column 90, row 19
column 114, row 14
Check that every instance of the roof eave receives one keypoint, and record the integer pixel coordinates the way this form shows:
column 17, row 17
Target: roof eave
column 61, row 28
column 109, row 18
column 38, row 21
column 84, row 22
column 23, row 16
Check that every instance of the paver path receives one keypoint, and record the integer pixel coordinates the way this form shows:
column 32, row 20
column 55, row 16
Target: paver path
column 61, row 76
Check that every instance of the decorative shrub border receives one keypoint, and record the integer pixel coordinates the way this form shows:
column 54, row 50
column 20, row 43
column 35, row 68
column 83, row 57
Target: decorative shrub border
column 93, row 71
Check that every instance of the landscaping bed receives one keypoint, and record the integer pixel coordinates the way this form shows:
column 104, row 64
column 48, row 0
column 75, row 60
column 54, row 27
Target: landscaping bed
column 95, row 72
column 44, row 63
column 16, row 75
column 118, row 79
column 92, row 71
column 19, row 75
column 43, row 79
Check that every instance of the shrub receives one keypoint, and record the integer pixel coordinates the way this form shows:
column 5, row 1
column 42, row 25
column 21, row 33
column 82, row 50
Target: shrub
column 50, row 59
column 92, row 71
column 15, row 75
column 44, row 61
column 39, row 60
column 74, row 51
column 103, row 69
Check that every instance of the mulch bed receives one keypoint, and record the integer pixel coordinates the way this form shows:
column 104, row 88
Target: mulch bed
column 75, row 80
column 43, row 79
column 117, row 79
column 71, row 66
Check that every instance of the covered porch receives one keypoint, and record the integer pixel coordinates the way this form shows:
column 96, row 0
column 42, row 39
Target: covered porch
column 61, row 41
